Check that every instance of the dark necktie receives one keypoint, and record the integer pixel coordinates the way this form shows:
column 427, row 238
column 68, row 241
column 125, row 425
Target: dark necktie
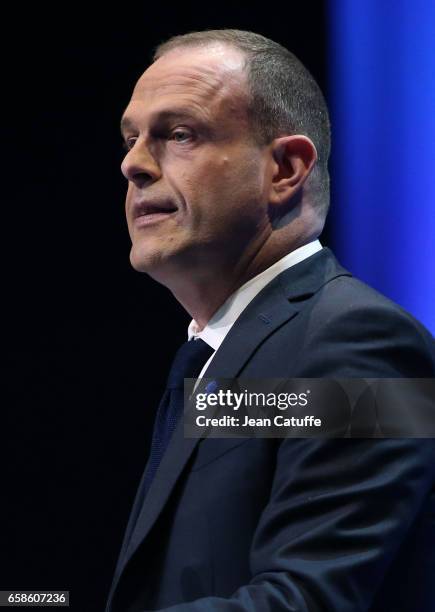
column 188, row 362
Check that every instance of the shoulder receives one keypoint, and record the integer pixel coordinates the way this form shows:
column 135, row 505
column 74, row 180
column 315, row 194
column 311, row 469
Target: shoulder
column 360, row 332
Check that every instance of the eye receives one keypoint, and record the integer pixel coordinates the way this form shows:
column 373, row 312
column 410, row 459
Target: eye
column 128, row 144
column 181, row 135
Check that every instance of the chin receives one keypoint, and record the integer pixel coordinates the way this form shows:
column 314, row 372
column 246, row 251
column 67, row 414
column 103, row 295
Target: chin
column 140, row 261
column 147, row 261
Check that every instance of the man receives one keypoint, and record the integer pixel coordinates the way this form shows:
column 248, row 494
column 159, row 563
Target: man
column 227, row 139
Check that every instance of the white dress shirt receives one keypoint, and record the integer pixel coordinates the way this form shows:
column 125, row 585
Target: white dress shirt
column 225, row 317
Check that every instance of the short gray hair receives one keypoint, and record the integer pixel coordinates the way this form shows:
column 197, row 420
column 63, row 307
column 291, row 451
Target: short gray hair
column 284, row 97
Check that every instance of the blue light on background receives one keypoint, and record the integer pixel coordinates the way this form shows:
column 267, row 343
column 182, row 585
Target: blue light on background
column 382, row 102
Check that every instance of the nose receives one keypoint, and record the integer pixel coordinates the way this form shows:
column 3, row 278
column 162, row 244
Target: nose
column 139, row 166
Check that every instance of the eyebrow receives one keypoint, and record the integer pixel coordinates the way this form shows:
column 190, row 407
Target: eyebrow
column 126, row 122
column 163, row 115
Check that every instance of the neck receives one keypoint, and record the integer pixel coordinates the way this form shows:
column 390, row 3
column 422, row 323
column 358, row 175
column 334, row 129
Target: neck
column 202, row 292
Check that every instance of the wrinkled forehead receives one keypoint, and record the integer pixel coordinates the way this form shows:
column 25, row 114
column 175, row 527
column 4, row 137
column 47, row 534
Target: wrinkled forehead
column 198, row 75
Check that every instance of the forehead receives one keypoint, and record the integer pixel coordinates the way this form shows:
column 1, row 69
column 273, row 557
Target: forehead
column 206, row 80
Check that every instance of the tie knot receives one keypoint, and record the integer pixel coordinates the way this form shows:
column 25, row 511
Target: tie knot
column 188, row 362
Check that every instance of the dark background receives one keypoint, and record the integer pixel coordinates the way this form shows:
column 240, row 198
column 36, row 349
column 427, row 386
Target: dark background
column 88, row 341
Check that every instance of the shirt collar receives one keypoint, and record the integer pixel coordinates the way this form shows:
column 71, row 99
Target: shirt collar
column 225, row 317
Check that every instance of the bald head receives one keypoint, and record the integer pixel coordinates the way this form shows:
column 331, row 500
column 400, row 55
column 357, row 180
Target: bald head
column 202, row 78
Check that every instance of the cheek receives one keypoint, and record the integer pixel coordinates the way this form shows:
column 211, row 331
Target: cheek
column 219, row 185
column 230, row 174
column 240, row 181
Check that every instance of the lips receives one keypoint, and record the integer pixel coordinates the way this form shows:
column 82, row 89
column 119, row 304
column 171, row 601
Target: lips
column 149, row 212
column 147, row 208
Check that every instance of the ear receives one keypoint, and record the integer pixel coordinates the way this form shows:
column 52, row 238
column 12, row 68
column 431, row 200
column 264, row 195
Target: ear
column 293, row 160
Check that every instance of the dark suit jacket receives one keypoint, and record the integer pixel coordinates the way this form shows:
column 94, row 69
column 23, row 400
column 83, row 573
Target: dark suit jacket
column 296, row 524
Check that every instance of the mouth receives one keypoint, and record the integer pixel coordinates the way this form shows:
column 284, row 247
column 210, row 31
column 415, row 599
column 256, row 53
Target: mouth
column 145, row 213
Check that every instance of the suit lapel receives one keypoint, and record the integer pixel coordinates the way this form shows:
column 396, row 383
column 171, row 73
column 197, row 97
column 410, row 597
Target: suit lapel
column 275, row 305
column 272, row 311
